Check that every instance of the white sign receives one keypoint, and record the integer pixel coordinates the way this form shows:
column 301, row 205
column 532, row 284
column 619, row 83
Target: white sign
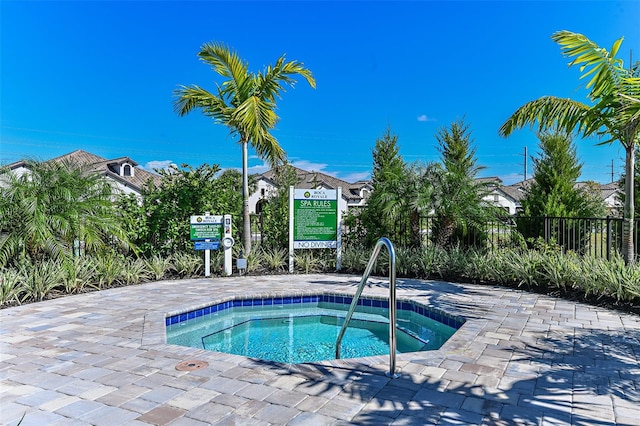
column 202, row 219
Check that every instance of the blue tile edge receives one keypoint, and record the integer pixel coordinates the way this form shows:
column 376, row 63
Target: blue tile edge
column 404, row 305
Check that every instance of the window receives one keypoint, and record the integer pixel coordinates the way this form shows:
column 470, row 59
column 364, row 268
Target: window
column 126, row 170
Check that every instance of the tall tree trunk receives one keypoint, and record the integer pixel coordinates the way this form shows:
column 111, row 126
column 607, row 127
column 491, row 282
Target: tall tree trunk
column 445, row 230
column 245, row 200
column 628, row 251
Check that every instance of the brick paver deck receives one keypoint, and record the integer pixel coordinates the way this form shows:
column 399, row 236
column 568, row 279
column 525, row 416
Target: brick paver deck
column 101, row 359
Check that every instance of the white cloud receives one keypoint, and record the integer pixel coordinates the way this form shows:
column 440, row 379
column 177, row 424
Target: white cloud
column 424, row 118
column 310, row 166
column 260, row 168
column 158, row 165
column 511, row 178
column 314, row 167
column 355, row 177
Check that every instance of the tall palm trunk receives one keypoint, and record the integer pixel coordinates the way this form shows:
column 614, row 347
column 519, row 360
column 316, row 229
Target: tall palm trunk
column 446, row 226
column 245, row 200
column 628, row 251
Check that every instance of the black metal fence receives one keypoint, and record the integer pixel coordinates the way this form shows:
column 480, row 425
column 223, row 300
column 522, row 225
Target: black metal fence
column 590, row 236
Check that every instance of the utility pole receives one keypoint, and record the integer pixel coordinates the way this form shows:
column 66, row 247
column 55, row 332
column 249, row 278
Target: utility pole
column 612, row 176
column 525, row 163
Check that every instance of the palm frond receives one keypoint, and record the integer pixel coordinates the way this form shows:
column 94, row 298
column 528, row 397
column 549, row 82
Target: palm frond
column 270, row 82
column 254, row 118
column 549, row 112
column 225, row 62
column 603, row 67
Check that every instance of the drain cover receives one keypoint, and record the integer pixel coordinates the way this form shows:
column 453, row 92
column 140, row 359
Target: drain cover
column 191, row 365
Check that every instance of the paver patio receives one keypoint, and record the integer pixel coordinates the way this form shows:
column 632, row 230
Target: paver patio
column 101, row 359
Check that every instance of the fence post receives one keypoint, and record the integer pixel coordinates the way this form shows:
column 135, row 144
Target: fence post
column 608, row 237
column 546, row 229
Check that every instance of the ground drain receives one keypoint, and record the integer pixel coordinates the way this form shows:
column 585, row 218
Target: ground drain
column 191, row 365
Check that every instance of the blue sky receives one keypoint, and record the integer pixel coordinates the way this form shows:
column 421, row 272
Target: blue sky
column 100, row 76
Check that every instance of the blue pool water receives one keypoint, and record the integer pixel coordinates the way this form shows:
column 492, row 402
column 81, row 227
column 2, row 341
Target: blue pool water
column 293, row 330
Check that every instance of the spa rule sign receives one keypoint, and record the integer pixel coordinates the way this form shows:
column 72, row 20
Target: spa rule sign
column 314, row 219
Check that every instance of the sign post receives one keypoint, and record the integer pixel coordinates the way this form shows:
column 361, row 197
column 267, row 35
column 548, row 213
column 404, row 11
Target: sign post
column 314, row 221
column 209, row 232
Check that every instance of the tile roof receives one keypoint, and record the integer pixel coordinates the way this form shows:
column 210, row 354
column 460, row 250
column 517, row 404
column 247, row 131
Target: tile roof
column 310, row 180
column 102, row 165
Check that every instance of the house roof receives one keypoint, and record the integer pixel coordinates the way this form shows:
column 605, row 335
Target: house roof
column 95, row 163
column 518, row 190
column 312, row 179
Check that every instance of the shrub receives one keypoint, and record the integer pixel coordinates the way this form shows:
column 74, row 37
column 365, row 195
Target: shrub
column 109, row 269
column 11, row 286
column 78, row 274
column 40, row 280
column 187, row 265
column 158, row 266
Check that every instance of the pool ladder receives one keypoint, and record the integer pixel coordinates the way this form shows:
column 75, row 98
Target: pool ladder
column 392, row 302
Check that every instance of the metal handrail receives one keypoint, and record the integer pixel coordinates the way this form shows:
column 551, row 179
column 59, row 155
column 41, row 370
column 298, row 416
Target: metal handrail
column 392, row 302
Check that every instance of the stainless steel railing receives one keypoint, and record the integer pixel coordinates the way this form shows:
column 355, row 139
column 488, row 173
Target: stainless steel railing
column 392, row 302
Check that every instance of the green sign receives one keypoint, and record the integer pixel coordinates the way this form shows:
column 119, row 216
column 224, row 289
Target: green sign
column 206, row 231
column 315, row 223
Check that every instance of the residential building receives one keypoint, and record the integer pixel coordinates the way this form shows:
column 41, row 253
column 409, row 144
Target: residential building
column 122, row 172
column 353, row 194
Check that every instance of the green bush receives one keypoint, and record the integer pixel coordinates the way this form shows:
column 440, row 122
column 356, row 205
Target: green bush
column 78, row 274
column 187, row 265
column 11, row 286
column 545, row 270
column 41, row 280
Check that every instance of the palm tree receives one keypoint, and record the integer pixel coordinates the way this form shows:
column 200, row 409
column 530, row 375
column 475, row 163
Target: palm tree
column 245, row 102
column 44, row 211
column 614, row 112
column 459, row 207
column 406, row 196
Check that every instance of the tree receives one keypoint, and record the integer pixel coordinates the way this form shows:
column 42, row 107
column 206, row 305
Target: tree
column 160, row 223
column 245, row 103
column 388, row 167
column 553, row 193
column 44, row 211
column 636, row 179
column 614, row 112
column 400, row 197
column 458, row 206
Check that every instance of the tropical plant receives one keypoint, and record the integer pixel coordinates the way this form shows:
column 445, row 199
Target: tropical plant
column 78, row 274
column 159, row 224
column 459, row 207
column 44, row 211
column 275, row 259
column 109, row 269
column 10, row 286
column 245, row 102
column 158, row 266
column 636, row 194
column 39, row 282
column 307, row 261
column 135, row 272
column 614, row 113
column 187, row 264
